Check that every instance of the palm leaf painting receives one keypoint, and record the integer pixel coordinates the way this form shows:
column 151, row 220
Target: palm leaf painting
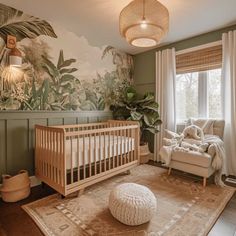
column 15, row 22
column 64, row 84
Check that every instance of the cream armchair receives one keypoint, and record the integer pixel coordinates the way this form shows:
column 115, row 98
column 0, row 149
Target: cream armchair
column 194, row 162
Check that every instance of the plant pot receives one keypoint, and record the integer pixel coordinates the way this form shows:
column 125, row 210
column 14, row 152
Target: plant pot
column 15, row 188
column 144, row 153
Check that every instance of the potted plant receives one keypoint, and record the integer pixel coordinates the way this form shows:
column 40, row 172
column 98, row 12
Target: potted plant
column 142, row 109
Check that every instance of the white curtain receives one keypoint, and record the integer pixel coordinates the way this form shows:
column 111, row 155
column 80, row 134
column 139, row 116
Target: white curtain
column 229, row 100
column 165, row 94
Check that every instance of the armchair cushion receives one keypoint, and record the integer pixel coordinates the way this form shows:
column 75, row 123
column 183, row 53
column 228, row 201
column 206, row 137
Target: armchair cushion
column 193, row 158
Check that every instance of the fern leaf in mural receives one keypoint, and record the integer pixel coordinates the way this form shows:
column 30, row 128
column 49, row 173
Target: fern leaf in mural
column 15, row 22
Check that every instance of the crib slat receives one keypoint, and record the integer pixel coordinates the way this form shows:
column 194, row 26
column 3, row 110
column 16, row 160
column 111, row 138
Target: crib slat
column 118, row 147
column 44, row 152
column 53, row 157
column 90, row 150
column 136, row 144
column 50, row 155
column 109, row 150
column 125, row 148
column 41, row 152
column 37, row 151
column 47, row 156
column 95, row 154
column 100, row 150
column 132, row 145
column 113, row 150
column 71, row 159
column 121, row 151
column 78, row 159
column 57, row 157
column 104, row 151
column 129, row 145
column 84, row 164
column 63, row 161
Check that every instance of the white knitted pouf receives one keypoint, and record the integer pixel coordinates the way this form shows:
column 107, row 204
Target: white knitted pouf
column 132, row 204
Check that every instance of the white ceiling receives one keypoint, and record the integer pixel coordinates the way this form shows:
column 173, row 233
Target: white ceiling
column 98, row 20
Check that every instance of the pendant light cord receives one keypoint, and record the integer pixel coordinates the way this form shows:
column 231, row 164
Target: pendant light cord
column 143, row 9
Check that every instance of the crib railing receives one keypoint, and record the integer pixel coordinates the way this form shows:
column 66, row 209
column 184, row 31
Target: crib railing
column 72, row 157
column 50, row 156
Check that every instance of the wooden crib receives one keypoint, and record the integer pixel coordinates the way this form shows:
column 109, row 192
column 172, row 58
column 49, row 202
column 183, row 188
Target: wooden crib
column 71, row 157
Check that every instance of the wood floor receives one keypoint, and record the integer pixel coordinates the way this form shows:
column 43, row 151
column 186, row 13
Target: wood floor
column 15, row 222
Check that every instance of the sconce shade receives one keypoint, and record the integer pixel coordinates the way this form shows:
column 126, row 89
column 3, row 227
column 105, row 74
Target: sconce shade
column 144, row 22
column 15, row 57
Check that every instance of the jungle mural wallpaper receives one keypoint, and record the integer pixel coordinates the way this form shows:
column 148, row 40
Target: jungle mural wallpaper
column 60, row 70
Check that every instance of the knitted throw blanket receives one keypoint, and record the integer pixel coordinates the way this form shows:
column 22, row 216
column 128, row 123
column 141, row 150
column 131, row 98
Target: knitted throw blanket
column 193, row 139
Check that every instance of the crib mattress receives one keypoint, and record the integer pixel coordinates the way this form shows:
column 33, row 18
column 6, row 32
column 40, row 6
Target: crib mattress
column 80, row 152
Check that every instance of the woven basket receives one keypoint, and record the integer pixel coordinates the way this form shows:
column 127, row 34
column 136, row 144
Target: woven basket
column 144, row 154
column 15, row 188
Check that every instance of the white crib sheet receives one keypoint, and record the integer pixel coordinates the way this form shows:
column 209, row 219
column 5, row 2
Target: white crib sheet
column 98, row 150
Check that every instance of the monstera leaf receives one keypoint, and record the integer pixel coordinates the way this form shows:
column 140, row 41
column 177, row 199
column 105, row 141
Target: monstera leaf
column 14, row 22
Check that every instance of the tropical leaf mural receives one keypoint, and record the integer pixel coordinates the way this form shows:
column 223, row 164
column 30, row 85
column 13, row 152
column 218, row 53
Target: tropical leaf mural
column 49, row 81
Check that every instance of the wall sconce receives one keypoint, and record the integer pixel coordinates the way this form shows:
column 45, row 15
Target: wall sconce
column 15, row 57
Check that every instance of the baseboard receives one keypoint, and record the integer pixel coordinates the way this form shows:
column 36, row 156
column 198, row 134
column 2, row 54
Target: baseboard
column 33, row 182
column 151, row 156
column 230, row 180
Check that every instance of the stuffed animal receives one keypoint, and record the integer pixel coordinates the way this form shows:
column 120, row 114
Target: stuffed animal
column 194, row 132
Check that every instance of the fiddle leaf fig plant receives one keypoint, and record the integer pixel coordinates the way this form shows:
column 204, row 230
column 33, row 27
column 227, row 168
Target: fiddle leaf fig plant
column 142, row 109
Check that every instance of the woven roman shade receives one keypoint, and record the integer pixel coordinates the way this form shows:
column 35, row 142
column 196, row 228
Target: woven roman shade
column 199, row 60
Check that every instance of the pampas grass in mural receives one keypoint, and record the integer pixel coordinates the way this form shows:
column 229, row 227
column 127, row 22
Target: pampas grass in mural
column 47, row 82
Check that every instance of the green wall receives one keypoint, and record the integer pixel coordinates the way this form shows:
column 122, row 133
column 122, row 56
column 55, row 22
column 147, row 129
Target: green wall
column 144, row 63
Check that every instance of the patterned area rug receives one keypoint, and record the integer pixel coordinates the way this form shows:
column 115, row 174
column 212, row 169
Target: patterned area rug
column 184, row 207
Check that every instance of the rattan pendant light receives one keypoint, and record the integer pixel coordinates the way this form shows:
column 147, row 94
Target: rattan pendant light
column 144, row 22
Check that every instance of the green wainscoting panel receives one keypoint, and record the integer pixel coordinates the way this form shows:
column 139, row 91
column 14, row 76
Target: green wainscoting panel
column 3, row 164
column 83, row 120
column 70, row 121
column 18, row 152
column 55, row 121
column 17, row 135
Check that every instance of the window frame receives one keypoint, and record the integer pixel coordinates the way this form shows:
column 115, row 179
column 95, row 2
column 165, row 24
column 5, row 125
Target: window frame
column 203, row 98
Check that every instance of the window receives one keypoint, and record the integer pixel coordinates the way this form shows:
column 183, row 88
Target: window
column 198, row 84
column 198, row 94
